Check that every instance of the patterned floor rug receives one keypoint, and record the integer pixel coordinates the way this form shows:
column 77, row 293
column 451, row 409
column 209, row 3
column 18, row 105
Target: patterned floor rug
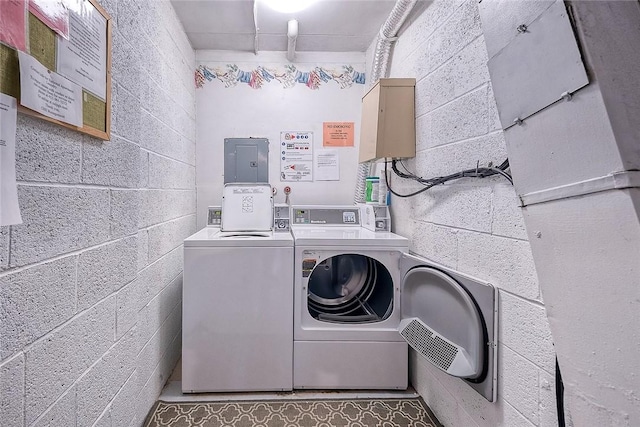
column 306, row 413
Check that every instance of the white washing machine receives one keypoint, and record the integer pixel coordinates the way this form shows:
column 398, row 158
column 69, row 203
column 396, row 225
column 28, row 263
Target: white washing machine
column 360, row 297
column 238, row 300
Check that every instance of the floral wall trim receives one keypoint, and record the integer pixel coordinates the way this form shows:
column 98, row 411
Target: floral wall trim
column 232, row 75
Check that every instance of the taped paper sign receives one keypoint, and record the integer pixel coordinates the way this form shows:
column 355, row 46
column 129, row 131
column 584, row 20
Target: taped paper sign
column 9, row 209
column 337, row 134
column 296, row 156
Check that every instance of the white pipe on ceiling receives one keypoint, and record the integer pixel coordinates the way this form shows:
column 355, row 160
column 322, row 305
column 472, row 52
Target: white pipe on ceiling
column 255, row 26
column 292, row 35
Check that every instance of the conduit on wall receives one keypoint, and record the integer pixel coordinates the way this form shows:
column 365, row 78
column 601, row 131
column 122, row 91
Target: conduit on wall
column 255, row 26
column 292, row 35
column 379, row 68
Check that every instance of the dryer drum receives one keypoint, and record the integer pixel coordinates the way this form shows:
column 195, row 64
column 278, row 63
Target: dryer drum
column 350, row 288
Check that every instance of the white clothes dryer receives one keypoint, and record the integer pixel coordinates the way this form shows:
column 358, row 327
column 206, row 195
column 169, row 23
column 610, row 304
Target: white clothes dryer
column 360, row 297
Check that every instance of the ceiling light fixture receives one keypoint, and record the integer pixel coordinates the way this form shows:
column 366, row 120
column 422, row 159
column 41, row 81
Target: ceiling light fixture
column 289, row 6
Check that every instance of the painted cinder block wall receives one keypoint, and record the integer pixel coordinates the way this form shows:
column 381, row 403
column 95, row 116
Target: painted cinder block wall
column 90, row 283
column 473, row 226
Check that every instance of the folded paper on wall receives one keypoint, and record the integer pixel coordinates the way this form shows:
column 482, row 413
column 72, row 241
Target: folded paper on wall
column 9, row 209
column 53, row 13
column 13, row 23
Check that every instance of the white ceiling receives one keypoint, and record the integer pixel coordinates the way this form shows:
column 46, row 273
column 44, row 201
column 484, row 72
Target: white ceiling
column 326, row 26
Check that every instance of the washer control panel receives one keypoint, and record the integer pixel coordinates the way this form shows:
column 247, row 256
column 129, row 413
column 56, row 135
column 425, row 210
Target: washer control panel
column 214, row 216
column 329, row 215
column 281, row 217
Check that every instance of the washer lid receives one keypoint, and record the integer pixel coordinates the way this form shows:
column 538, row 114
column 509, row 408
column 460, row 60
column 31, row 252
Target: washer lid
column 346, row 236
column 441, row 322
column 247, row 207
column 213, row 237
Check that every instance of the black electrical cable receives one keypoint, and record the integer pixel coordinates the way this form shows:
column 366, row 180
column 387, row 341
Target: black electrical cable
column 559, row 396
column 478, row 172
column 404, row 166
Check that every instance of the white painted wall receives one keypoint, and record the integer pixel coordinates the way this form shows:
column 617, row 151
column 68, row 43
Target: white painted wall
column 473, row 226
column 90, row 283
column 241, row 111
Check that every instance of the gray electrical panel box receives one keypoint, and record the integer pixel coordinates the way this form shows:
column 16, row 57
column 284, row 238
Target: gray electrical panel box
column 246, row 160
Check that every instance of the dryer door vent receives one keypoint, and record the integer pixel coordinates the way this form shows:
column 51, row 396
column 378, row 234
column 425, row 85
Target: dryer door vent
column 443, row 353
column 449, row 328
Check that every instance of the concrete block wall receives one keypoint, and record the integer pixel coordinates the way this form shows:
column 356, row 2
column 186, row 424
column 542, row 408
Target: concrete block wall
column 90, row 283
column 473, row 226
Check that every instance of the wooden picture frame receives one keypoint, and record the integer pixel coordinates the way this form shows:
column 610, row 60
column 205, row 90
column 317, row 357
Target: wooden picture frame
column 42, row 46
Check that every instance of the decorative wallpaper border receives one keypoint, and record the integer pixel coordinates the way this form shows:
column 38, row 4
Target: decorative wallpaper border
column 288, row 77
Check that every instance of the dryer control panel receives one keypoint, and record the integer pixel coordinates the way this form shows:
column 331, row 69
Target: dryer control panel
column 375, row 217
column 326, row 215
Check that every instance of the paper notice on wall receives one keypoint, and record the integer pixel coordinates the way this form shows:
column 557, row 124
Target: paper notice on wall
column 327, row 165
column 53, row 13
column 83, row 57
column 49, row 93
column 13, row 23
column 296, row 156
column 9, row 209
column 337, row 134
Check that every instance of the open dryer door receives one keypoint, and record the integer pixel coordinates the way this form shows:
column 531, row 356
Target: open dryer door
column 451, row 320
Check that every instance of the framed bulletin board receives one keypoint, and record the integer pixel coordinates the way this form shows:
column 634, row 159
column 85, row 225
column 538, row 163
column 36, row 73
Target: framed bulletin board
column 55, row 59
